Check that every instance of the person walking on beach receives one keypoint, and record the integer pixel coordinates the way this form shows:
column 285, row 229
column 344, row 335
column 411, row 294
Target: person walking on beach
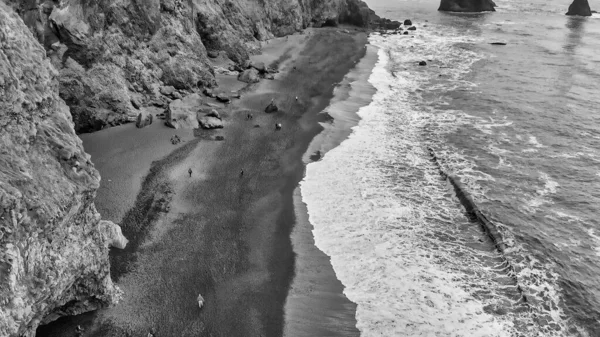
column 190, row 171
column 241, row 172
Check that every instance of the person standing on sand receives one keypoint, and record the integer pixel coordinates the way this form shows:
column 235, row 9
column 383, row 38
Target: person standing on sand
column 190, row 171
column 241, row 172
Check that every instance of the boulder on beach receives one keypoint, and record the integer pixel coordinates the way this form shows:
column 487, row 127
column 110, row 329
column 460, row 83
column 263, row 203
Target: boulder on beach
column 498, row 43
column 223, row 98
column 212, row 113
column 422, row 63
column 272, row 107
column 260, row 66
column 405, row 33
column 144, row 119
column 580, row 7
column 407, row 22
column 182, row 112
column 249, row 76
column 412, row 28
column 210, row 122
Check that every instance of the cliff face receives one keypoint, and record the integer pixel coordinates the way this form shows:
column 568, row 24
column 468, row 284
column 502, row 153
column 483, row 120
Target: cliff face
column 580, row 7
column 467, row 6
column 53, row 245
column 109, row 52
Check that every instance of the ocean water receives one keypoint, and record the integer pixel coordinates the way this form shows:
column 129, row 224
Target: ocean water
column 519, row 126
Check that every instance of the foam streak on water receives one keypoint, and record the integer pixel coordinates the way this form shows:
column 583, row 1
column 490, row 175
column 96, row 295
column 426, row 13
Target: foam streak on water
column 397, row 235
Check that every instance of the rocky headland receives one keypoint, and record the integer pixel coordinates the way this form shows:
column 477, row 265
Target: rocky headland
column 467, row 6
column 53, row 244
column 580, row 7
column 113, row 56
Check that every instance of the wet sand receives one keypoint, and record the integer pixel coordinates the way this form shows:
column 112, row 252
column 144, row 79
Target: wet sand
column 227, row 235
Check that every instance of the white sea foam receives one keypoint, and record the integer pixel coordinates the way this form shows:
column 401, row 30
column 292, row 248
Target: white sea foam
column 397, row 237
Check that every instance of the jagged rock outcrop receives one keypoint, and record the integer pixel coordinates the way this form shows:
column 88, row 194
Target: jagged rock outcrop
column 53, row 245
column 106, row 50
column 580, row 7
column 467, row 6
column 182, row 113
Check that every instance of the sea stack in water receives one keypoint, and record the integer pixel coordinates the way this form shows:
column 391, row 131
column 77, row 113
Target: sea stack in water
column 467, row 6
column 580, row 7
column 53, row 244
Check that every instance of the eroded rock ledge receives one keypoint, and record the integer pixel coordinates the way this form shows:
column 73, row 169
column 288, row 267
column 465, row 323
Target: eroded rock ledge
column 109, row 53
column 53, row 245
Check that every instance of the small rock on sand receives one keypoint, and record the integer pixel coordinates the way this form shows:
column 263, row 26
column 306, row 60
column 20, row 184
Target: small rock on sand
column 407, row 22
column 210, row 123
column 422, row 63
column 272, row 107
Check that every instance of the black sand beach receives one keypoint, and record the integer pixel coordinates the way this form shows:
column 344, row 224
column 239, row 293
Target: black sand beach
column 227, row 235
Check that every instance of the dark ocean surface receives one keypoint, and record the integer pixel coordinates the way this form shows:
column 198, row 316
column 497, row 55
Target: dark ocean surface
column 519, row 126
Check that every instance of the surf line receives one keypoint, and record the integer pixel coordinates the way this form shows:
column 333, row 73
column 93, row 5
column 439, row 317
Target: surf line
column 476, row 215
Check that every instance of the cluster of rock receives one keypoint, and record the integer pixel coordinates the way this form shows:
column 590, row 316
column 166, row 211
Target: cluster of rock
column 252, row 72
column 189, row 113
column 53, row 244
column 113, row 56
column 399, row 30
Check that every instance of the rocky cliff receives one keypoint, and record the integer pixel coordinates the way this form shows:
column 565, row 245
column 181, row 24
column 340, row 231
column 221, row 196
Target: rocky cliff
column 53, row 245
column 580, row 7
column 467, row 6
column 110, row 53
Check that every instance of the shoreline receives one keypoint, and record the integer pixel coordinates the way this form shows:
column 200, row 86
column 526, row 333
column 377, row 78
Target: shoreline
column 316, row 295
column 228, row 237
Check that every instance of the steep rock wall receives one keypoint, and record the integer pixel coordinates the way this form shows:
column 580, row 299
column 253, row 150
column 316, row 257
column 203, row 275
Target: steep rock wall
column 467, row 6
column 580, row 7
column 110, row 51
column 53, row 245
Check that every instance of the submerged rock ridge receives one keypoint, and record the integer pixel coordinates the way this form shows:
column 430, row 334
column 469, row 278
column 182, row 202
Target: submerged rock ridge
column 111, row 52
column 580, row 7
column 53, row 244
column 467, row 6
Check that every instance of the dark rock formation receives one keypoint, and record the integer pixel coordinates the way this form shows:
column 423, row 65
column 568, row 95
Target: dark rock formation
column 407, row 22
column 422, row 63
column 53, row 245
column 467, row 6
column 272, row 107
column 412, row 28
column 580, row 7
column 249, row 76
column 144, row 119
column 498, row 43
column 105, row 50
